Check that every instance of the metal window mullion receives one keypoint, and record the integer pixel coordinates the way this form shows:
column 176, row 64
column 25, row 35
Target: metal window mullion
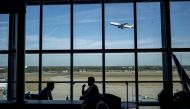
column 71, row 44
column 11, row 56
column 20, row 54
column 103, row 46
column 136, row 53
column 40, row 44
column 169, row 53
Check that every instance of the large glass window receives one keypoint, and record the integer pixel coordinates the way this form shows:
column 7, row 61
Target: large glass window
column 180, row 15
column 56, row 27
column 87, row 26
column 149, row 25
column 88, row 56
column 117, row 36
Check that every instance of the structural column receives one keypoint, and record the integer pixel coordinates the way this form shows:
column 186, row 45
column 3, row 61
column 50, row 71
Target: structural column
column 20, row 53
column 166, row 45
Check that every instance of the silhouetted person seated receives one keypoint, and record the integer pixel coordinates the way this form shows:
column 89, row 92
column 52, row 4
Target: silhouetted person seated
column 165, row 98
column 102, row 105
column 45, row 94
column 90, row 95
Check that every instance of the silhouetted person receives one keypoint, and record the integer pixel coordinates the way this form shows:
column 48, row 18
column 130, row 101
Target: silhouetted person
column 90, row 95
column 102, row 105
column 45, row 94
column 165, row 98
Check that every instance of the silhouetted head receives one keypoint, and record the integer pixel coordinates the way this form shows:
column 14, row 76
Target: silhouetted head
column 91, row 81
column 50, row 85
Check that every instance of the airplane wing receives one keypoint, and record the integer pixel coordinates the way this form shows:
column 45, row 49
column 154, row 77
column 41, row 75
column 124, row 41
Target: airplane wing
column 115, row 23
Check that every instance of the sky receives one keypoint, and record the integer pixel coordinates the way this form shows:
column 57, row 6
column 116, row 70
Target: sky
column 88, row 34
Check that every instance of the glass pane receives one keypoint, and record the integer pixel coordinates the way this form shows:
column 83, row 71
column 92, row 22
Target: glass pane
column 3, row 76
column 4, row 31
column 87, row 26
column 31, row 67
column 60, row 92
column 149, row 91
column 150, row 67
column 149, row 25
column 56, row 67
column 177, row 86
column 31, row 88
column 86, row 65
column 32, row 27
column 56, row 27
column 180, row 15
column 117, row 16
column 77, row 91
column 184, row 60
column 120, row 67
column 3, row 66
column 120, row 90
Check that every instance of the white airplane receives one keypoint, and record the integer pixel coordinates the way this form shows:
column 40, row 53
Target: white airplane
column 121, row 25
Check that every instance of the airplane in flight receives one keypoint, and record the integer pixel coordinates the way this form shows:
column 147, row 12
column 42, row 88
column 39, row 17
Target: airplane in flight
column 121, row 25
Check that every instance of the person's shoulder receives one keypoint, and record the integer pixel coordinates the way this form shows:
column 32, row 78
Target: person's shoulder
column 95, row 86
column 44, row 90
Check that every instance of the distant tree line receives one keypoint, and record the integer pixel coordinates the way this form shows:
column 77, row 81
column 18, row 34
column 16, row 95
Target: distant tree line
column 4, row 70
column 32, row 69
